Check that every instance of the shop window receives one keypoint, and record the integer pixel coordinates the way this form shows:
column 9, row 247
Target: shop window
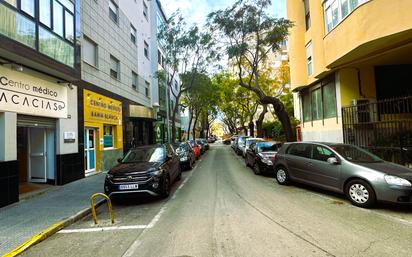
column 108, row 136
column 317, row 104
column 329, row 100
column 307, row 116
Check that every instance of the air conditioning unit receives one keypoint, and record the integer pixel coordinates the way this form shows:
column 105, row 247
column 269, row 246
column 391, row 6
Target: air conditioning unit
column 365, row 110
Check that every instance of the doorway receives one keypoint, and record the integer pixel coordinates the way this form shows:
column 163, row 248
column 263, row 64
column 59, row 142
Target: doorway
column 89, row 151
column 35, row 157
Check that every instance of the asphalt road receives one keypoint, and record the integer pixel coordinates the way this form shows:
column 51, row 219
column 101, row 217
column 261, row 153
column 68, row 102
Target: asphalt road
column 221, row 208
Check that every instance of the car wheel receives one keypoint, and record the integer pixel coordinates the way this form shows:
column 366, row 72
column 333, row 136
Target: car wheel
column 190, row 166
column 165, row 187
column 360, row 193
column 256, row 169
column 282, row 175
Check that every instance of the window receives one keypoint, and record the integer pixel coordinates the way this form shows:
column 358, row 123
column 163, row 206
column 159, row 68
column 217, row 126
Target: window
column 145, row 10
column 27, row 6
column 45, row 12
column 132, row 34
column 309, row 58
column 56, row 48
column 307, row 116
column 134, row 80
column 307, row 14
column 320, row 103
column 58, row 18
column 114, row 67
column 146, row 49
column 317, row 104
column 321, row 153
column 89, row 52
column 147, row 89
column 329, row 100
column 300, row 150
column 107, row 136
column 113, row 11
column 337, row 10
column 159, row 57
column 69, row 27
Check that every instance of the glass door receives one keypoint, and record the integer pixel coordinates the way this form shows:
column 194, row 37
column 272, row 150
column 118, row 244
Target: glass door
column 89, row 151
column 37, row 155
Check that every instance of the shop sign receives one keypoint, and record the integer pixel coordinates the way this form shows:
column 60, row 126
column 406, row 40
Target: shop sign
column 69, row 137
column 27, row 94
column 101, row 109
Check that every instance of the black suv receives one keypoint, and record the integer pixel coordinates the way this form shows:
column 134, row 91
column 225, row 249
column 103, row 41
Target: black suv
column 146, row 169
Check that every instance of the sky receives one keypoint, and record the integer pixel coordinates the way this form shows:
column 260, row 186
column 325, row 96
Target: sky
column 195, row 11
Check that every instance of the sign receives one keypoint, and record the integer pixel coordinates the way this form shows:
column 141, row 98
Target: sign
column 69, row 137
column 101, row 109
column 27, row 94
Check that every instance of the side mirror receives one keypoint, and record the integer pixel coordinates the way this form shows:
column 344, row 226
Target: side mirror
column 119, row 160
column 333, row 160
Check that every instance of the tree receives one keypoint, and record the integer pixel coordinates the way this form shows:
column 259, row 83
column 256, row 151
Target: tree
column 188, row 51
column 250, row 35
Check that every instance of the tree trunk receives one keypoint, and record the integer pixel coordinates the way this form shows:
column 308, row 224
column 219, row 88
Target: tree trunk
column 281, row 114
column 259, row 122
column 190, row 123
column 251, row 126
column 194, row 125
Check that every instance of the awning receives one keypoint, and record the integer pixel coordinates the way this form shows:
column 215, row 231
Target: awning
column 140, row 111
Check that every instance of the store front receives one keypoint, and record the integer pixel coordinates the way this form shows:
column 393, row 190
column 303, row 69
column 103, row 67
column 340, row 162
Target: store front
column 139, row 126
column 34, row 111
column 103, row 132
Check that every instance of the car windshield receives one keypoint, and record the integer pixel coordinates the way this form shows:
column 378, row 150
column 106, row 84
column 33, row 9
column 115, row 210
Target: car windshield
column 267, row 147
column 181, row 147
column 355, row 154
column 251, row 141
column 150, row 154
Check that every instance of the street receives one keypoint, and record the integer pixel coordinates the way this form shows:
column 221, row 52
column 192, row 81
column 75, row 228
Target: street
column 221, row 208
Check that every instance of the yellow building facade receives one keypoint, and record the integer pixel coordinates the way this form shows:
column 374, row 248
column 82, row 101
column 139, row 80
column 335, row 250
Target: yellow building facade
column 345, row 53
column 103, row 132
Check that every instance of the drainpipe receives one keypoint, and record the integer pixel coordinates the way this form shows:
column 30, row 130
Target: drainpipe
column 360, row 84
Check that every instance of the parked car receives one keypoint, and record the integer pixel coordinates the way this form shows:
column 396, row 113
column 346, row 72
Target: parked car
column 240, row 144
column 227, row 141
column 362, row 176
column 145, row 169
column 211, row 140
column 202, row 145
column 195, row 147
column 186, row 155
column 205, row 143
column 249, row 141
column 233, row 143
column 261, row 155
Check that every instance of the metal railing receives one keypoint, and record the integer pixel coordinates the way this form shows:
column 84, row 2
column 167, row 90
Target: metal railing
column 383, row 127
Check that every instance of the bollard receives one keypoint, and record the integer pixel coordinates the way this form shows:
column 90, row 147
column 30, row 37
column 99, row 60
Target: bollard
column 109, row 204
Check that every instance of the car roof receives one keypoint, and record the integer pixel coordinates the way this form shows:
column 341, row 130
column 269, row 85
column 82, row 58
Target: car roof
column 317, row 142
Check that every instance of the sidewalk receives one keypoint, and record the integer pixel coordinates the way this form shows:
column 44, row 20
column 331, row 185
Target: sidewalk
column 21, row 220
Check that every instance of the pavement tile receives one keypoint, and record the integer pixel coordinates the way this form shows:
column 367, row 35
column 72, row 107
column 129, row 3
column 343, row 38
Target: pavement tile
column 20, row 221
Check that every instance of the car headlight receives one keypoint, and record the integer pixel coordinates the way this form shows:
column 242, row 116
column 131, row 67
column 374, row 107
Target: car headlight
column 109, row 176
column 267, row 161
column 157, row 172
column 397, row 181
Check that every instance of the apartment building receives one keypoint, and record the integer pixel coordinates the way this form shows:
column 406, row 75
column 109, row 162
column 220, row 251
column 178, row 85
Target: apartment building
column 350, row 61
column 39, row 70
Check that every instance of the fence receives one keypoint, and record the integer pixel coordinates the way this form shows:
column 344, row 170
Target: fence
column 383, row 127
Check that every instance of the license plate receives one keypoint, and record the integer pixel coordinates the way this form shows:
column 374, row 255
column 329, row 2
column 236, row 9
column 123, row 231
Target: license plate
column 130, row 186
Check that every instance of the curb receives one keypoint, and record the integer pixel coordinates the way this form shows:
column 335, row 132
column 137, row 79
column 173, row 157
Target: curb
column 51, row 230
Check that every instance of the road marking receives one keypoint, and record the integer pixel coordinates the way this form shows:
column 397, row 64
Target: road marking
column 87, row 230
column 133, row 248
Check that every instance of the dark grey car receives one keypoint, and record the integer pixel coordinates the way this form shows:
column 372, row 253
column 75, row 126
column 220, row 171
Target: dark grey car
column 363, row 177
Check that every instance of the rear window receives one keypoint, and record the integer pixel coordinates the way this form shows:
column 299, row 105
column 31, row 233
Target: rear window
column 267, row 147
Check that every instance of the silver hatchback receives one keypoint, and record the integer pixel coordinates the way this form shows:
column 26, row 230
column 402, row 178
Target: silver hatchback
column 363, row 177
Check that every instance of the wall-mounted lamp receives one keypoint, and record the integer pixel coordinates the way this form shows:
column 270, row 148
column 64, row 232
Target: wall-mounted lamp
column 13, row 66
column 68, row 84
